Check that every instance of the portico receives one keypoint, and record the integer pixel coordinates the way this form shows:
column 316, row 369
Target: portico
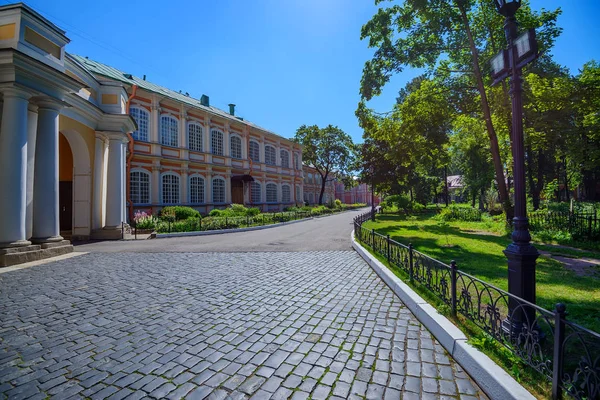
column 43, row 103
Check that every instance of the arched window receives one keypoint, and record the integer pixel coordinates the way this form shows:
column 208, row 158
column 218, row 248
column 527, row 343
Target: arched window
column 139, row 187
column 271, row 193
column 141, row 118
column 310, row 178
column 169, row 131
column 236, row 146
column 196, row 189
column 296, row 161
column 170, row 189
column 270, row 155
column 286, row 195
column 218, row 190
column 285, row 158
column 254, row 151
column 195, row 136
column 216, row 142
column 255, row 192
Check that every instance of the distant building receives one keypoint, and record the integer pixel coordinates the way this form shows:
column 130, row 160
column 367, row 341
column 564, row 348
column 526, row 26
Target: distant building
column 312, row 187
column 357, row 194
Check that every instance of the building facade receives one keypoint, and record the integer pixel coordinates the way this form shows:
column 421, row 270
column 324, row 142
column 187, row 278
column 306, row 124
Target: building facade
column 187, row 152
column 62, row 148
column 357, row 194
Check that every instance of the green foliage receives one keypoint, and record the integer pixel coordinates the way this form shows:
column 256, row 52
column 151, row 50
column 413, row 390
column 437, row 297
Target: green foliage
column 144, row 221
column 252, row 211
column 399, row 201
column 455, row 213
column 215, row 212
column 327, row 149
column 338, row 203
column 178, row 213
column 417, row 207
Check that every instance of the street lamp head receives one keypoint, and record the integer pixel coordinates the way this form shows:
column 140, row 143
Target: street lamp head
column 508, row 8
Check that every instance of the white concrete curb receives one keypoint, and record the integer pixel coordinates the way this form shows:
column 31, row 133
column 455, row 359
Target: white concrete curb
column 222, row 231
column 490, row 377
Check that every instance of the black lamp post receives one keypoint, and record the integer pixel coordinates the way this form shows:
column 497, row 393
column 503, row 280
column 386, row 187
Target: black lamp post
column 520, row 253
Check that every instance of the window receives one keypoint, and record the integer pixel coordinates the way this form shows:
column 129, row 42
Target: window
column 297, row 194
column 195, row 136
column 285, row 158
column 216, row 142
column 310, row 178
column 254, row 151
column 168, row 131
column 270, row 155
column 218, row 190
column 141, row 119
column 296, row 161
column 140, row 187
column 286, row 194
column 271, row 193
column 236, row 147
column 255, row 195
column 170, row 189
column 196, row 190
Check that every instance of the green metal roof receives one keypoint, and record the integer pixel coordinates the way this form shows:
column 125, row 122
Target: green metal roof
column 97, row 68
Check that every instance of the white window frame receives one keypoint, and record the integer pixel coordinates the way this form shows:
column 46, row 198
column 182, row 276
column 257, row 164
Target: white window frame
column 256, row 195
column 235, row 154
column 285, row 158
column 270, row 159
column 283, row 193
column 215, row 133
column 254, row 153
column 132, row 182
column 195, row 138
column 269, row 199
column 162, row 188
column 169, row 130
column 221, row 179
column 201, row 193
column 143, row 124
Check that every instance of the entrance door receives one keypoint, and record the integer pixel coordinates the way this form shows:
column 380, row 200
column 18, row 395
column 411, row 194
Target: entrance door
column 237, row 192
column 65, row 205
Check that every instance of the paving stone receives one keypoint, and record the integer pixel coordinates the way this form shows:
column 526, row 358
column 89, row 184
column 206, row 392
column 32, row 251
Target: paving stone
column 252, row 332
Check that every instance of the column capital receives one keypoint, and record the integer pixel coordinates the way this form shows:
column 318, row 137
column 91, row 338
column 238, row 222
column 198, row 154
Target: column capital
column 157, row 168
column 32, row 107
column 114, row 136
column 15, row 92
column 48, row 103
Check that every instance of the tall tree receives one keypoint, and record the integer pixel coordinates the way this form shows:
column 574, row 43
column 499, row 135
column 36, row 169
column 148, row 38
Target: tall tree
column 445, row 36
column 329, row 150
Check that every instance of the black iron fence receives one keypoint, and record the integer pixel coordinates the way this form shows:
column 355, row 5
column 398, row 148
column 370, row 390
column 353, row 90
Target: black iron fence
column 582, row 225
column 567, row 354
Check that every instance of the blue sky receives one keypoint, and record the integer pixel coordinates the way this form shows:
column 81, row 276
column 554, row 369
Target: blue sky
column 283, row 62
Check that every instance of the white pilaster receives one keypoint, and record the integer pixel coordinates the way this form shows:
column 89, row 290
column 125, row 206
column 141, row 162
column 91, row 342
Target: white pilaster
column 46, row 225
column 99, row 190
column 115, row 195
column 185, row 182
column 226, row 141
column 155, row 184
column 13, row 174
column 228, row 188
column 183, row 129
column 32, row 118
column 208, row 187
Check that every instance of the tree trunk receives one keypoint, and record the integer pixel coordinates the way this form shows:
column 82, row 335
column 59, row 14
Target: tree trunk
column 481, row 197
column 446, row 184
column 485, row 107
column 474, row 192
column 323, row 182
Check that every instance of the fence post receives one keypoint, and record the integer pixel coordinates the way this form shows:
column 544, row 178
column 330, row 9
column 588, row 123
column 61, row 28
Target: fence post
column 410, row 261
column 200, row 222
column 559, row 338
column 388, row 248
column 453, row 286
column 373, row 240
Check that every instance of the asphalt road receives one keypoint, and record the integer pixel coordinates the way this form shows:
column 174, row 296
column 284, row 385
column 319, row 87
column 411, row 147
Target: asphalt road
column 330, row 232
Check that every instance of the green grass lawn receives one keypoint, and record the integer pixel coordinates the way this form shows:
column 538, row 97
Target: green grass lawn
column 477, row 248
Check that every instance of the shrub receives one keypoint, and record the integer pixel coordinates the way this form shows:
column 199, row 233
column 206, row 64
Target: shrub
column 144, row 221
column 215, row 213
column 417, row 207
column 252, row 211
column 238, row 209
column 401, row 202
column 455, row 213
column 178, row 212
column 338, row 203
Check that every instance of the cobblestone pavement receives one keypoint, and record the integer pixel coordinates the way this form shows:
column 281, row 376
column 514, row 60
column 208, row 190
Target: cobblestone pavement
column 215, row 325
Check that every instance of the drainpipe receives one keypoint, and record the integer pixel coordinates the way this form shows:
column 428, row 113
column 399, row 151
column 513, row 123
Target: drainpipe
column 129, row 157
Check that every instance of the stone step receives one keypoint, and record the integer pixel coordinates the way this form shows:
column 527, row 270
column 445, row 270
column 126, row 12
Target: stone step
column 35, row 254
column 19, row 249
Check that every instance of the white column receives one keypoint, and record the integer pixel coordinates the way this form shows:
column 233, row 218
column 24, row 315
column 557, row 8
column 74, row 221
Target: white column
column 46, row 225
column 182, row 130
column 226, row 139
column 99, row 188
column 115, row 196
column 208, row 188
column 13, row 174
column 124, row 172
column 32, row 117
column 206, row 136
